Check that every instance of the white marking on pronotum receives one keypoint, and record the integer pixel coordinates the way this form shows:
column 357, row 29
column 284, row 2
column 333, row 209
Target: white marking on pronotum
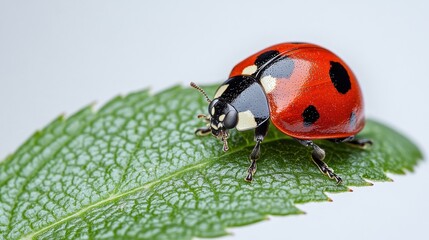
column 215, row 127
column 246, row 121
column 213, row 111
column 269, row 83
column 221, row 117
column 249, row 70
column 221, row 90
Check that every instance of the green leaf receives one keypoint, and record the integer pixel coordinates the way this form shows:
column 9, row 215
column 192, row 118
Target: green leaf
column 134, row 169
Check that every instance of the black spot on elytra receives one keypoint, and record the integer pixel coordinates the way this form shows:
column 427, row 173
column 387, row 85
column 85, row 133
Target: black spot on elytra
column 281, row 68
column 310, row 115
column 265, row 57
column 339, row 77
column 298, row 42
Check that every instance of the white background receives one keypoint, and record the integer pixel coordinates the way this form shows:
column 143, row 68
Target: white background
column 56, row 57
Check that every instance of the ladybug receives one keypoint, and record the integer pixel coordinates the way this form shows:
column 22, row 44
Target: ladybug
column 305, row 90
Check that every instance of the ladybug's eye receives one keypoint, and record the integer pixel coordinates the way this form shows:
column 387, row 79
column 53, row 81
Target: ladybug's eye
column 231, row 119
column 212, row 108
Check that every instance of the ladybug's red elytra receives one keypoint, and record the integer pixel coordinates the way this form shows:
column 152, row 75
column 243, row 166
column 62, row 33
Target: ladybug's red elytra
column 307, row 91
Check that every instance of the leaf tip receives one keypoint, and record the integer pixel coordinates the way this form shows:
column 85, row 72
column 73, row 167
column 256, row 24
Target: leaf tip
column 62, row 116
column 92, row 106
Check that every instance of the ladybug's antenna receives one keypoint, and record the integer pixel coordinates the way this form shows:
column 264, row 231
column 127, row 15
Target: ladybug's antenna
column 201, row 91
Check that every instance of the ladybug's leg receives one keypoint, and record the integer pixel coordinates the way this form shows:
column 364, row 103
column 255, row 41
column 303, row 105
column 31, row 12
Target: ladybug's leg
column 351, row 140
column 318, row 155
column 203, row 131
column 361, row 142
column 260, row 133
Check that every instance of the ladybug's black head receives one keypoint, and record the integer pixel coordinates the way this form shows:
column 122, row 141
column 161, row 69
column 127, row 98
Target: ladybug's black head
column 222, row 116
